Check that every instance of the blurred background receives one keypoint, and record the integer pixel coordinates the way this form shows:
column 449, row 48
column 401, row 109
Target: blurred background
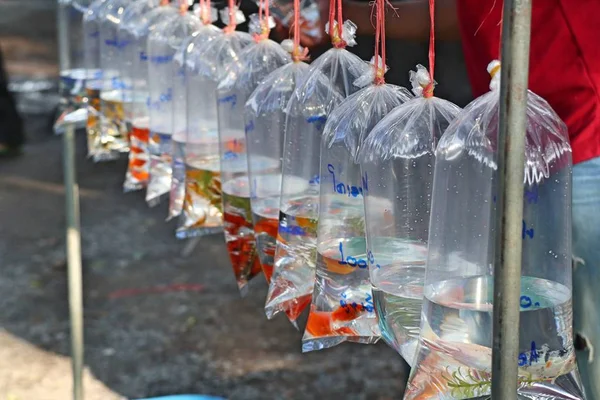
column 161, row 316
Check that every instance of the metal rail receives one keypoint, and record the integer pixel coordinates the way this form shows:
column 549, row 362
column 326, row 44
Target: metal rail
column 516, row 35
column 73, row 229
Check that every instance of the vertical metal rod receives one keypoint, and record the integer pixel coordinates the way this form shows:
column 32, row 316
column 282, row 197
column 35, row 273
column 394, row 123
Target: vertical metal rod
column 516, row 35
column 74, row 260
column 72, row 217
column 62, row 24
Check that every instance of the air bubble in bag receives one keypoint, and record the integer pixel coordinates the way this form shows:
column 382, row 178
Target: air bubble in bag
column 342, row 304
column 135, row 63
column 245, row 73
column 181, row 186
column 455, row 347
column 265, row 117
column 163, row 43
column 397, row 160
column 329, row 81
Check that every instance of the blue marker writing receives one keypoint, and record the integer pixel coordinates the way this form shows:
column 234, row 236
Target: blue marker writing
column 527, row 232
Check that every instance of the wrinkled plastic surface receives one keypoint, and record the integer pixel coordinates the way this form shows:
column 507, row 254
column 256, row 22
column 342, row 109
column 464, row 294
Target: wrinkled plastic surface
column 113, row 132
column 329, row 81
column 342, row 303
column 265, row 117
column 137, row 27
column 397, row 161
column 186, row 183
column 163, row 43
column 93, row 82
column 243, row 76
column 454, row 356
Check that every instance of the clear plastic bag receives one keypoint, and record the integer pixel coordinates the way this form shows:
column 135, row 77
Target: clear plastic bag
column 72, row 79
column 329, row 81
column 397, row 160
column 180, row 115
column 113, row 137
column 205, row 67
column 245, row 73
column 265, row 117
column 129, row 54
column 455, row 347
column 137, row 28
column 93, row 83
column 163, row 43
column 342, row 305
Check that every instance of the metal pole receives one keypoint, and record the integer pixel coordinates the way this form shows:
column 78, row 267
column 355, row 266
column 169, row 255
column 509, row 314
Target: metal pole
column 516, row 35
column 62, row 21
column 72, row 217
column 74, row 261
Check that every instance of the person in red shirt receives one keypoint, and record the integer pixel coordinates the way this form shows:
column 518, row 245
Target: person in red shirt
column 564, row 70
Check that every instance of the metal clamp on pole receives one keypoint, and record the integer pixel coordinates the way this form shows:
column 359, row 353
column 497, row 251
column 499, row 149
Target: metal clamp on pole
column 516, row 35
column 73, row 231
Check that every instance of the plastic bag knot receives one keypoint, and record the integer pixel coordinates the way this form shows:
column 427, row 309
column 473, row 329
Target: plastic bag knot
column 380, row 75
column 298, row 53
column 342, row 36
column 422, row 84
column 207, row 15
column 183, row 7
column 238, row 18
column 260, row 28
column 493, row 68
column 375, row 74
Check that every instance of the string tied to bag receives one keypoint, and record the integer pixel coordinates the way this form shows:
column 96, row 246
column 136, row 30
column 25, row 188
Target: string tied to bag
column 298, row 52
column 335, row 26
column 380, row 54
column 231, row 17
column 264, row 22
column 205, row 12
column 428, row 89
column 183, row 7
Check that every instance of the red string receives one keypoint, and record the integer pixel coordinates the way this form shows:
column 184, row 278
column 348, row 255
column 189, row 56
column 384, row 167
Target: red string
column 183, row 6
column 164, row 2
column 428, row 90
column 296, row 25
column 336, row 24
column 232, row 22
column 331, row 16
column 379, row 41
column 263, row 20
column 297, row 54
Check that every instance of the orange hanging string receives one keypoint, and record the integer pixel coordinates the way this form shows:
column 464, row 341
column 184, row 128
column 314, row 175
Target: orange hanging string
column 232, row 22
column 379, row 6
column 263, row 20
column 335, row 32
column 297, row 54
column 183, row 7
column 164, row 3
column 428, row 90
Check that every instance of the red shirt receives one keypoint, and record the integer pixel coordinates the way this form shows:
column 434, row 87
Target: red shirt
column 564, row 64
